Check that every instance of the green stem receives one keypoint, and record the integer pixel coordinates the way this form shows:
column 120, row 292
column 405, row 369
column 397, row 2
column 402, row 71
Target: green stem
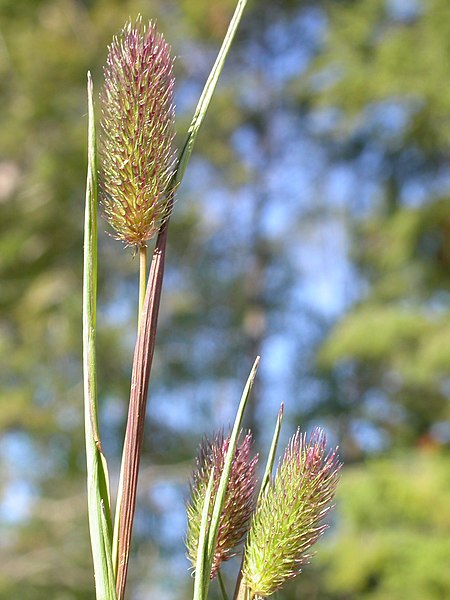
column 201, row 575
column 142, row 278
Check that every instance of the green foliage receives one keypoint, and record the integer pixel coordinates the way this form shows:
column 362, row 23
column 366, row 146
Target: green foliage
column 407, row 251
column 393, row 342
column 406, row 340
column 379, row 56
column 399, row 333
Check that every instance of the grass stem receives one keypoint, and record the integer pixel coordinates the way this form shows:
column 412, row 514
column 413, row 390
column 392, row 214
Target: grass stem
column 142, row 278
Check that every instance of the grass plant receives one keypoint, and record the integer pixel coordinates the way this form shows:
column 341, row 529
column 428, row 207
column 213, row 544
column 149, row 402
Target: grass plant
column 139, row 174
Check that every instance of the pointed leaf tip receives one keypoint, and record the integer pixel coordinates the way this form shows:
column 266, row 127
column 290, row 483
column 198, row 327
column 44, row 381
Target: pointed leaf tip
column 255, row 368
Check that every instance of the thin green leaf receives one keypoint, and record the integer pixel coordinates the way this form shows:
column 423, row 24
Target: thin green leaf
column 272, row 453
column 199, row 588
column 117, row 520
column 100, row 525
column 207, row 93
column 106, row 528
column 223, row 482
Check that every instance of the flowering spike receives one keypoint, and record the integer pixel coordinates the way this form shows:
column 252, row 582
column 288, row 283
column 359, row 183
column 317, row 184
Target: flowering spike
column 137, row 131
column 287, row 521
column 239, row 499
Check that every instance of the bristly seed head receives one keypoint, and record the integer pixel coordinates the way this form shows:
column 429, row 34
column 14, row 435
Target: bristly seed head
column 239, row 499
column 288, row 519
column 137, row 132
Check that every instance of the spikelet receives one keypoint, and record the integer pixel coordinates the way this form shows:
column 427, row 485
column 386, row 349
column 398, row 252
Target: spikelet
column 137, row 132
column 239, row 499
column 288, row 519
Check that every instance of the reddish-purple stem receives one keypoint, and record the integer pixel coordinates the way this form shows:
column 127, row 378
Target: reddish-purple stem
column 142, row 363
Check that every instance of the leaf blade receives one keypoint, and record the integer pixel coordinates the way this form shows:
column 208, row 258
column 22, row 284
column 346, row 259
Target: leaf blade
column 272, row 453
column 201, row 570
column 207, row 93
column 100, row 525
column 223, row 482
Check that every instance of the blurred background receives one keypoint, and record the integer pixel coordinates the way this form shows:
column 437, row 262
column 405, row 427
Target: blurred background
column 313, row 228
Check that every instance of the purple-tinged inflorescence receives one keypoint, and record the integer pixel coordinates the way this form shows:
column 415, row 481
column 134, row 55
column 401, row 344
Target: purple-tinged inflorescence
column 289, row 516
column 137, row 132
column 239, row 500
